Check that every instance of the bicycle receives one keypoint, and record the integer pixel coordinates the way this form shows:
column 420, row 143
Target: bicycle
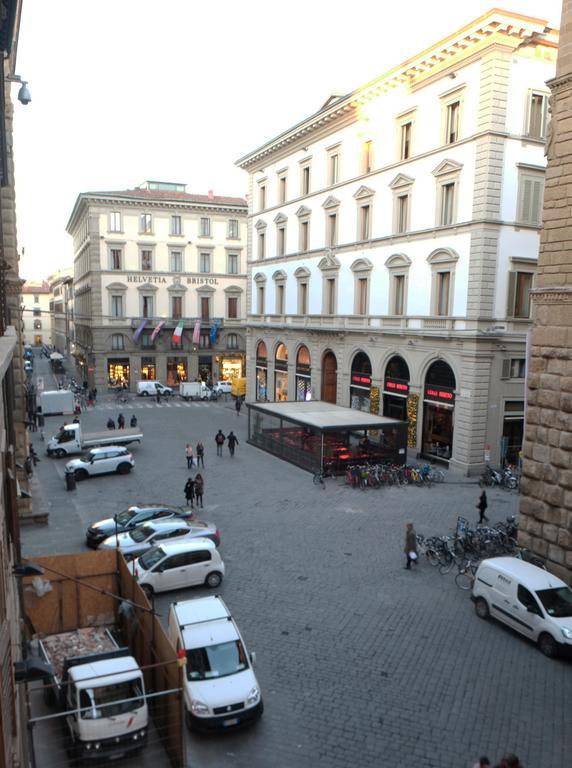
column 321, row 474
column 465, row 578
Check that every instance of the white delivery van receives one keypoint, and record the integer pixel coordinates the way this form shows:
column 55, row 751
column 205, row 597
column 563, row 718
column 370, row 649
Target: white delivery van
column 194, row 390
column 146, row 388
column 57, row 401
column 528, row 599
column 220, row 688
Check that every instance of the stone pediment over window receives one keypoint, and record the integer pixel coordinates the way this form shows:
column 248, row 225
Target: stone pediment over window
column 329, row 262
column 234, row 289
column 302, row 273
column 259, row 277
column 364, row 193
column 442, row 256
column 280, row 219
column 202, row 289
column 147, row 288
column 260, row 225
column 398, row 260
column 302, row 211
column 401, row 180
column 177, row 287
column 331, row 202
column 362, row 265
column 279, row 276
column 116, row 287
column 447, row 166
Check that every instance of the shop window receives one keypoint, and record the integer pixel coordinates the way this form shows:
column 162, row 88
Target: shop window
column 438, row 408
column 232, row 341
column 176, row 370
column 118, row 372
column 303, row 374
column 117, row 341
column 281, row 373
column 148, row 369
column 261, row 372
column 360, row 382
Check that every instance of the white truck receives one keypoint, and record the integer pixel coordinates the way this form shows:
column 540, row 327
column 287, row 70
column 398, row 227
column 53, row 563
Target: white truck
column 72, row 439
column 194, row 390
column 101, row 688
column 57, row 401
column 220, row 689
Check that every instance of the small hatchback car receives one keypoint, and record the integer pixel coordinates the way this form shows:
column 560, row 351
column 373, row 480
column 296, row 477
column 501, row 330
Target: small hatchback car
column 177, row 565
column 101, row 461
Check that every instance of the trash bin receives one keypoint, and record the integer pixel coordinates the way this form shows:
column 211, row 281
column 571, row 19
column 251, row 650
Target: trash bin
column 70, row 481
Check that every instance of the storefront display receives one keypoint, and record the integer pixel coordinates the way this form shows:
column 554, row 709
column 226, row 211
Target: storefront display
column 230, row 367
column 360, row 383
column 118, row 372
column 148, row 369
column 281, row 374
column 177, row 371
column 303, row 375
column 261, row 372
column 512, row 431
column 396, row 388
column 205, row 368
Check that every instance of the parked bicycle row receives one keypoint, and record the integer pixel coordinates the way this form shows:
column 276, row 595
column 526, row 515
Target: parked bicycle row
column 365, row 476
column 507, row 478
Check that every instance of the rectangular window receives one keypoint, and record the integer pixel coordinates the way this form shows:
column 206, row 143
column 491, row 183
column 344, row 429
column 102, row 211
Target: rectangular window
column 176, row 261
column 402, row 214
column 282, row 190
column 405, row 141
column 305, row 179
column 147, row 306
column 146, row 341
column 261, row 298
column 233, row 229
column 333, row 168
column 537, row 115
column 281, row 241
column 205, row 227
column 261, row 245
column 117, row 341
column 117, row 306
column 205, row 341
column 304, row 235
column 443, row 287
column 115, row 221
column 279, row 299
column 115, row 258
column 362, row 285
column 145, row 224
column 332, row 229
column 303, row 299
column 232, row 308
column 176, row 307
column 517, row 367
column 364, row 222
column 452, row 124
column 146, row 260
column 204, row 262
column 262, row 197
column 176, row 225
column 530, row 197
column 330, row 304
column 205, row 308
column 522, row 287
column 232, row 341
column 232, row 263
column 37, row 312
column 367, row 157
column 447, row 204
column 398, row 294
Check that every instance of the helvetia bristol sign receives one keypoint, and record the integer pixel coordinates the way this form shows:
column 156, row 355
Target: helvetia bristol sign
column 163, row 280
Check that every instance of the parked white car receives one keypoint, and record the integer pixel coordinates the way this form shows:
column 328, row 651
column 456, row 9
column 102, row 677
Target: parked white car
column 135, row 542
column 101, row 461
column 222, row 387
column 179, row 564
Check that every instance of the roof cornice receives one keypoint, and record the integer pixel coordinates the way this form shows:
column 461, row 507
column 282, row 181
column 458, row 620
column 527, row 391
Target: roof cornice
column 492, row 28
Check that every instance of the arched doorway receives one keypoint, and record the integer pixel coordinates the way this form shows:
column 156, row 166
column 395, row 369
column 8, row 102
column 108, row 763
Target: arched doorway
column 329, row 377
column 360, row 382
column 261, row 372
column 396, row 388
column 281, row 373
column 303, row 371
column 438, row 411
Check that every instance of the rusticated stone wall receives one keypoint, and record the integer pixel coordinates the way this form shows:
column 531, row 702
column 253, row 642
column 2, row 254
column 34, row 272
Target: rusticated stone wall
column 546, row 506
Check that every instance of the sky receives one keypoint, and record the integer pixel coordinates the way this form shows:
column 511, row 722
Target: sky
column 177, row 90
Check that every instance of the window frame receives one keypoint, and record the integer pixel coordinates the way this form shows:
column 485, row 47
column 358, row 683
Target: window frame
column 146, row 250
column 205, row 258
column 536, row 177
column 115, row 298
column 177, row 298
column 111, row 221
column 230, row 256
column 117, row 342
column 305, row 177
column 449, row 100
column 528, row 131
column 113, row 249
column 281, row 186
column 442, row 261
column 145, row 223
column 173, row 252
column 205, row 226
column 176, row 230
column 230, row 227
column 366, row 157
column 234, row 300
column 514, row 294
column 362, row 270
column 334, row 160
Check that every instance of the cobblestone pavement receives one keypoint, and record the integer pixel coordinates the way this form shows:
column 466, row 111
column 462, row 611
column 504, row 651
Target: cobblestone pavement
column 361, row 662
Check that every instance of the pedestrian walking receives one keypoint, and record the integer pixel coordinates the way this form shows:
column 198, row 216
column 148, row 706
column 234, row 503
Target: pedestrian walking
column 110, row 423
column 190, row 492
column 133, row 422
column 232, row 440
column 95, row 394
column 158, row 397
column 481, row 506
column 200, row 455
column 121, row 421
column 219, row 440
column 189, row 455
column 410, row 545
column 238, row 405
column 199, row 490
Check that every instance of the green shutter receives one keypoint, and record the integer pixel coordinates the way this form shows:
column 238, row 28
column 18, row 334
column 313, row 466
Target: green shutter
column 511, row 298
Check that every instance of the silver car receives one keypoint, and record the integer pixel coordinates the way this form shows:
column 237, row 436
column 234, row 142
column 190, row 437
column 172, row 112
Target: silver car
column 135, row 542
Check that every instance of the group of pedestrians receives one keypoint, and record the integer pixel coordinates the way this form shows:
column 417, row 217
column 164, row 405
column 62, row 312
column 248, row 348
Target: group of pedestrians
column 121, row 422
column 194, row 490
column 199, row 458
column 508, row 761
column 231, row 440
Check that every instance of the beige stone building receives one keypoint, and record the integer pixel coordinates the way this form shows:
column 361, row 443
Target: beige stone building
column 393, row 242
column 159, row 285
column 36, row 320
column 61, row 310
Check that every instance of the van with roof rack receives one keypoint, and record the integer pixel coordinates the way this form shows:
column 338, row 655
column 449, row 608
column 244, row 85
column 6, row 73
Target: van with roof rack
column 220, row 688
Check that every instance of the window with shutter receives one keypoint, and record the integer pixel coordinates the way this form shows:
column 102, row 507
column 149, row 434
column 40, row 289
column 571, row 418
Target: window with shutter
column 511, row 294
column 530, row 198
column 505, row 374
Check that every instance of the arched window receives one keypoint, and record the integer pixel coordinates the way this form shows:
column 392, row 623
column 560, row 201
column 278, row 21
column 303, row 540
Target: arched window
column 261, row 372
column 281, row 373
column 303, row 374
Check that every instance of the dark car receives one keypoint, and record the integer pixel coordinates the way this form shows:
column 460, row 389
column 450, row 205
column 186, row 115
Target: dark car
column 130, row 518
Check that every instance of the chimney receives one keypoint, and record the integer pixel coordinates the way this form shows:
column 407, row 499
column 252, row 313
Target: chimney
column 211, row 194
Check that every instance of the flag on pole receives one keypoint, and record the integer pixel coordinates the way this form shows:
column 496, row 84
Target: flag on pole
column 139, row 330
column 213, row 335
column 178, row 332
column 197, row 332
column 157, row 329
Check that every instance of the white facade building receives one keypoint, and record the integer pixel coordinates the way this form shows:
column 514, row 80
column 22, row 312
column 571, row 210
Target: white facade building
column 36, row 324
column 146, row 262
column 393, row 239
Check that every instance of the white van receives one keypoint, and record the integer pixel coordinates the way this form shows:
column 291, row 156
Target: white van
column 220, row 688
column 146, row 388
column 528, row 599
column 178, row 565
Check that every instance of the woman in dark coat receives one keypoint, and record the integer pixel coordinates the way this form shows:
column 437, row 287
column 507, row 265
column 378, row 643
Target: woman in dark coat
column 199, row 490
column 190, row 492
column 481, row 506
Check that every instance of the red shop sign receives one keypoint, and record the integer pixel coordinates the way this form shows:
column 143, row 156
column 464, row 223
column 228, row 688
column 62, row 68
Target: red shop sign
column 361, row 380
column 442, row 395
column 394, row 385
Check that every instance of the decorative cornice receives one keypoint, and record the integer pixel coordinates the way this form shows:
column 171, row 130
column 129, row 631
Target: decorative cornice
column 558, row 295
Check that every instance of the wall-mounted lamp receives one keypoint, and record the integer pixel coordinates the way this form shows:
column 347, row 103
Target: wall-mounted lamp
column 452, row 75
column 24, row 96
